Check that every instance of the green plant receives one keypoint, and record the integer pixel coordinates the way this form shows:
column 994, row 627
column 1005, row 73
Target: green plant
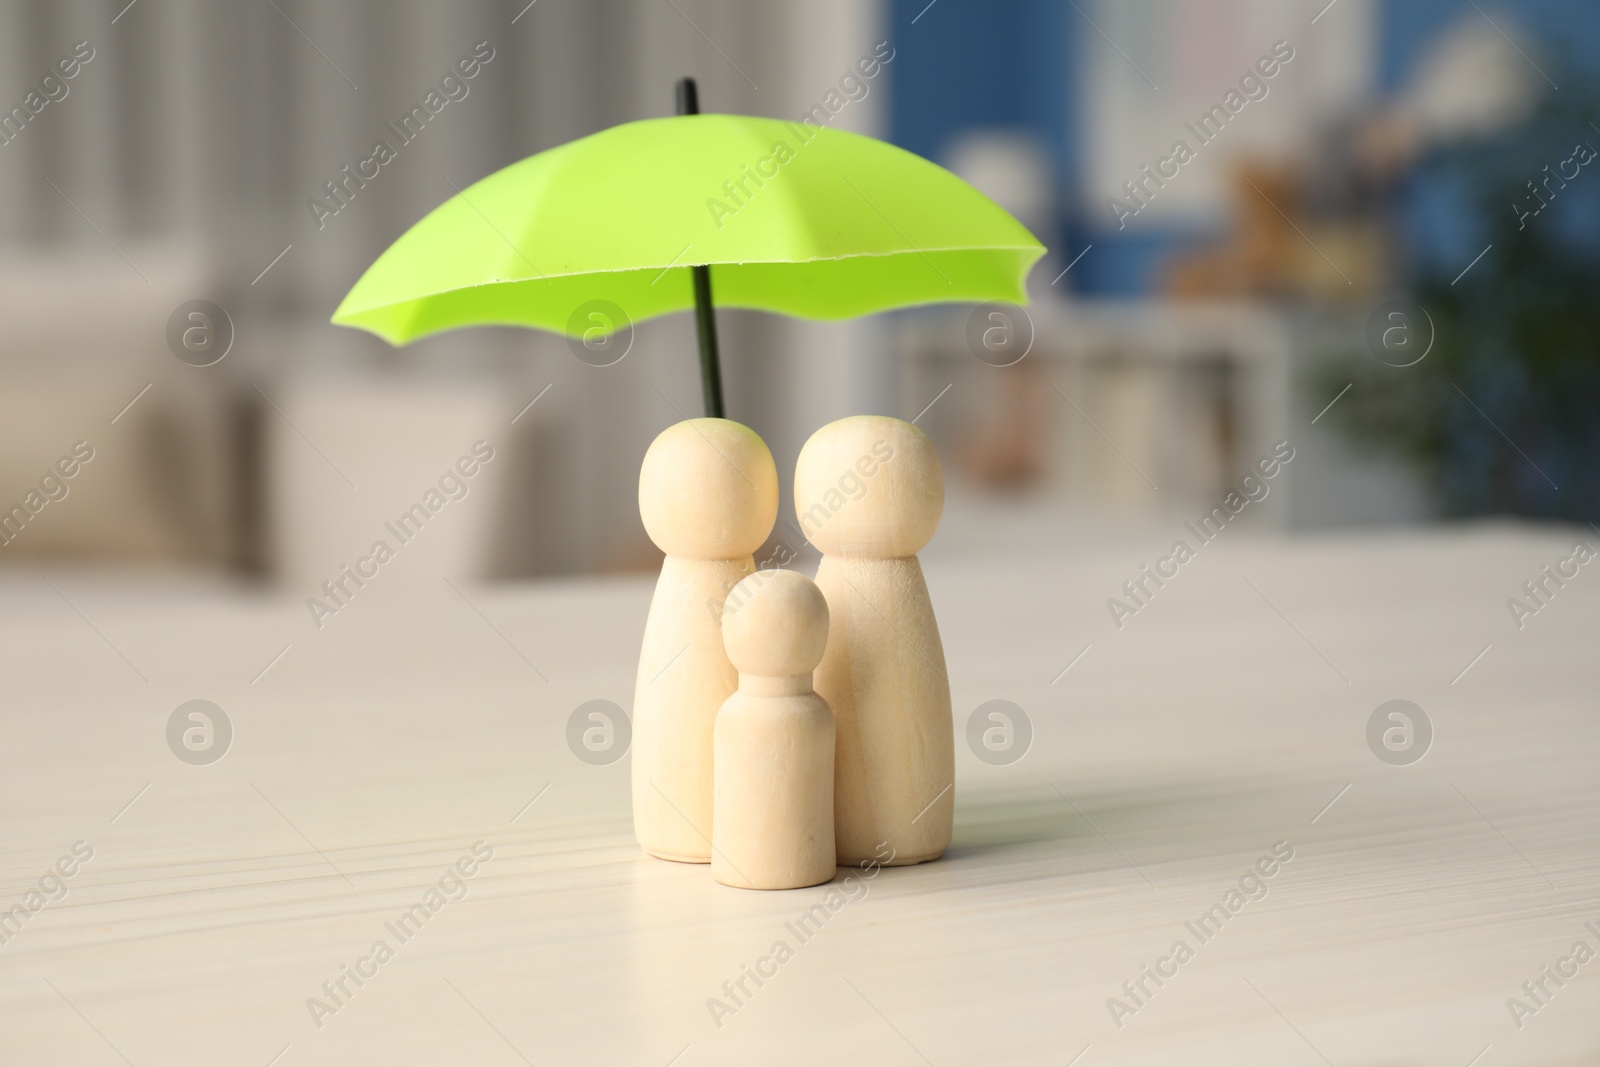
column 1504, row 412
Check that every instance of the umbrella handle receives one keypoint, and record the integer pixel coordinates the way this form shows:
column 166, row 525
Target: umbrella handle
column 705, row 319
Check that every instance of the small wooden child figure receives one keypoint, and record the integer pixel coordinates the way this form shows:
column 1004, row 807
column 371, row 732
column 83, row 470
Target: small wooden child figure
column 772, row 826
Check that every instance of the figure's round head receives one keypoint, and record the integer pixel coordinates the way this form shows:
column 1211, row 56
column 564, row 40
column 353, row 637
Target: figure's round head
column 869, row 486
column 775, row 622
column 708, row 489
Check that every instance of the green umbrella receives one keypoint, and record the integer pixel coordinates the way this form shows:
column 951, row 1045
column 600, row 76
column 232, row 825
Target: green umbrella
column 781, row 216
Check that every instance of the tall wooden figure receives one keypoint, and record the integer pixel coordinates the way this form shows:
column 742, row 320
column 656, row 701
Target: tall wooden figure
column 774, row 795
column 708, row 496
column 869, row 492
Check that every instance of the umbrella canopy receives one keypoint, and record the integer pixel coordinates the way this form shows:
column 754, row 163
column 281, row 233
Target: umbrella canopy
column 790, row 218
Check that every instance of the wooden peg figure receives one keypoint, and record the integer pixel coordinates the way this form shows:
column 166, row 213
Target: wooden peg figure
column 773, row 822
column 869, row 492
column 708, row 496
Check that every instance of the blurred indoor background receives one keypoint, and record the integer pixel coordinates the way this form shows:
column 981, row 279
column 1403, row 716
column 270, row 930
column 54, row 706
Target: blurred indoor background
column 1383, row 252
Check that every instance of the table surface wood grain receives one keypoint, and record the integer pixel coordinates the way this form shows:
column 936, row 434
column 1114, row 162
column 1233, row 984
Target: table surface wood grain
column 426, row 721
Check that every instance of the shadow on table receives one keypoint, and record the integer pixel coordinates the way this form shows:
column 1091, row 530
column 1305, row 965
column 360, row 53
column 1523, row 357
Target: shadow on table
column 1173, row 820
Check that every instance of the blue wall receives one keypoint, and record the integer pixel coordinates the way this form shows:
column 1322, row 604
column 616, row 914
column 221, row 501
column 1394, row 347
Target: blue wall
column 1010, row 63
column 1569, row 29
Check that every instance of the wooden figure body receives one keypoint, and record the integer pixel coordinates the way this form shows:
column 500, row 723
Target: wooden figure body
column 708, row 496
column 773, row 822
column 869, row 492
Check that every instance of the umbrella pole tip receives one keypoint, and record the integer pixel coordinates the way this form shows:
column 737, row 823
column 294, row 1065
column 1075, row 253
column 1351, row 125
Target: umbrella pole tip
column 688, row 97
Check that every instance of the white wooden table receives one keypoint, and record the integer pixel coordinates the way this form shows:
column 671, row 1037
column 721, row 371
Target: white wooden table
column 1228, row 716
